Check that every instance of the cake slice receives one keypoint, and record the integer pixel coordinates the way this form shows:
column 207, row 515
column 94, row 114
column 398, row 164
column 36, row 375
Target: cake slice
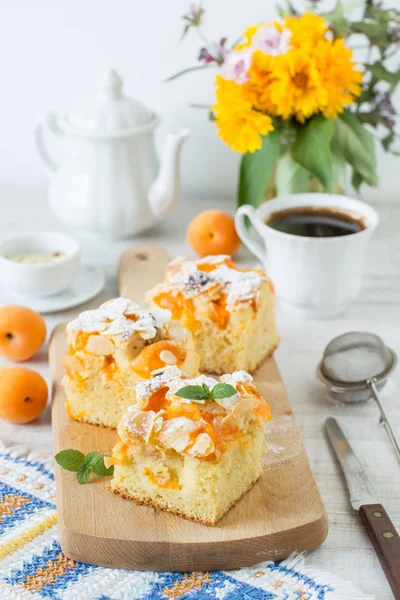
column 194, row 456
column 113, row 348
column 230, row 312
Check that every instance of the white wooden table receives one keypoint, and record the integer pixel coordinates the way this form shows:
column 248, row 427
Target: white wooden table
column 347, row 551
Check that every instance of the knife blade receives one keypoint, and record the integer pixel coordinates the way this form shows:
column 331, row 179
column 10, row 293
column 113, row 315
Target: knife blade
column 357, row 481
column 381, row 531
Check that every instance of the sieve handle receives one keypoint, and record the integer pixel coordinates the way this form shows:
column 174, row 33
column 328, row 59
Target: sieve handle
column 383, row 418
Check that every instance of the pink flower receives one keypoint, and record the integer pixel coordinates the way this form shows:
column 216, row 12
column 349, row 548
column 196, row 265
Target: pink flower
column 193, row 9
column 271, row 41
column 217, row 53
column 236, row 66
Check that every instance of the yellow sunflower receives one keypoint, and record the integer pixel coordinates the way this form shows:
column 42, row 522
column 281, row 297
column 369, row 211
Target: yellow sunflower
column 307, row 29
column 296, row 86
column 339, row 75
column 239, row 125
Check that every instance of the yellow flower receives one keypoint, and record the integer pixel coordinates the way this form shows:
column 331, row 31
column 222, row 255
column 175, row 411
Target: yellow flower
column 308, row 29
column 247, row 37
column 340, row 78
column 252, row 30
column 239, row 125
column 295, row 88
column 261, row 76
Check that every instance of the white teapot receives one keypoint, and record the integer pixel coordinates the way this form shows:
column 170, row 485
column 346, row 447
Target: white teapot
column 109, row 181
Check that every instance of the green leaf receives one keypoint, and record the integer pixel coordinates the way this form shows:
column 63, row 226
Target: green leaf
column 357, row 145
column 388, row 140
column 372, row 117
column 187, row 27
column 367, row 95
column 290, row 10
column 205, row 390
column 291, row 178
column 83, row 474
column 356, row 180
column 194, row 392
column 382, row 74
column 281, row 12
column 95, row 461
column 312, row 149
column 339, row 172
column 336, row 18
column 70, row 460
column 380, row 14
column 223, row 390
column 256, row 169
column 375, row 32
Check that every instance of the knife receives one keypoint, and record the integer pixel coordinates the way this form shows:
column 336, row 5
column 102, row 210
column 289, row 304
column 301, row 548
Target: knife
column 383, row 535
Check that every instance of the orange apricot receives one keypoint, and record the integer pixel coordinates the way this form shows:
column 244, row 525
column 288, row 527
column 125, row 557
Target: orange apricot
column 157, row 356
column 213, row 232
column 22, row 332
column 23, row 394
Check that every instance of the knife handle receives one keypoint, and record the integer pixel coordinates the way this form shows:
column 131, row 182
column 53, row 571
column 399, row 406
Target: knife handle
column 386, row 542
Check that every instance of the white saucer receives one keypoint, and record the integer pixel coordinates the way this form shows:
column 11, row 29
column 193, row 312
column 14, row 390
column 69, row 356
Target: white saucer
column 89, row 283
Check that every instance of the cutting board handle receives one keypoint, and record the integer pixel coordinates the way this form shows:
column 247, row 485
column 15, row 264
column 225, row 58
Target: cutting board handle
column 386, row 542
column 141, row 267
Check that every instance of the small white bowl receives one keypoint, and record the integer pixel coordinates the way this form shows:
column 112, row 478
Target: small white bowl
column 39, row 279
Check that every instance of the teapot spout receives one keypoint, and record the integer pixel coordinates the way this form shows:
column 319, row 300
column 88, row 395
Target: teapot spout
column 165, row 191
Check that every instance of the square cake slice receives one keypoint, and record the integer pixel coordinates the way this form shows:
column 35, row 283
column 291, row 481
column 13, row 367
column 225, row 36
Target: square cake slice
column 113, row 348
column 194, row 456
column 230, row 312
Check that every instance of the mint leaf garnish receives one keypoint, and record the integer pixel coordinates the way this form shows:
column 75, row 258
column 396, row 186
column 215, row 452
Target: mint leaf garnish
column 95, row 461
column 194, row 392
column 83, row 466
column 70, row 460
column 222, row 390
column 83, row 474
column 202, row 392
column 206, row 390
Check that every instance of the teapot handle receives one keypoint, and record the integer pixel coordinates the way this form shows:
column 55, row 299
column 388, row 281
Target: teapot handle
column 41, row 146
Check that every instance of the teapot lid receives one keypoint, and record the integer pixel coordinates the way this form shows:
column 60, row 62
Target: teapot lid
column 111, row 111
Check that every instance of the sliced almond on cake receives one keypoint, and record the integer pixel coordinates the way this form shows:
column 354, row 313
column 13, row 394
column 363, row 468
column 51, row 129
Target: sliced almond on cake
column 99, row 345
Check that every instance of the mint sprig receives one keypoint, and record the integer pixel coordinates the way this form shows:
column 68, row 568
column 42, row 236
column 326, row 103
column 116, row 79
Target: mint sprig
column 222, row 390
column 202, row 392
column 83, row 466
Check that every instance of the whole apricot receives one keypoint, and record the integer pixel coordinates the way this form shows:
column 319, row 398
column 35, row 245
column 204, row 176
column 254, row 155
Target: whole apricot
column 23, row 394
column 22, row 332
column 213, row 232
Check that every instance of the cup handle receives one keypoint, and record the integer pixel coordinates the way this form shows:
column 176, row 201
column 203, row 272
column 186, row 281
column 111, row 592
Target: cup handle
column 254, row 246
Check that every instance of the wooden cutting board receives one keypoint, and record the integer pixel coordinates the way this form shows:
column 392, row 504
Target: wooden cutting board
column 282, row 513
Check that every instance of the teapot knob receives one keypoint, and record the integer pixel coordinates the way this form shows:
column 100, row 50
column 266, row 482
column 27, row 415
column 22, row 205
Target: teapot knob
column 109, row 84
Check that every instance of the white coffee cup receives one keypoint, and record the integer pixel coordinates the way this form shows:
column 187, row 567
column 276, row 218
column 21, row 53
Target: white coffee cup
column 319, row 276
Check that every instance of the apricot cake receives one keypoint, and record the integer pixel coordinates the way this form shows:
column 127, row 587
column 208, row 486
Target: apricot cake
column 191, row 446
column 230, row 311
column 114, row 347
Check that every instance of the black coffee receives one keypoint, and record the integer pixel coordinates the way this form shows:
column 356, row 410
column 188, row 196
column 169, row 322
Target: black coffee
column 314, row 221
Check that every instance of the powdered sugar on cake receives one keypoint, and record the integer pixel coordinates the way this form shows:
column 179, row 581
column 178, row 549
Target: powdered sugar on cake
column 238, row 286
column 170, row 376
column 123, row 318
column 236, row 377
